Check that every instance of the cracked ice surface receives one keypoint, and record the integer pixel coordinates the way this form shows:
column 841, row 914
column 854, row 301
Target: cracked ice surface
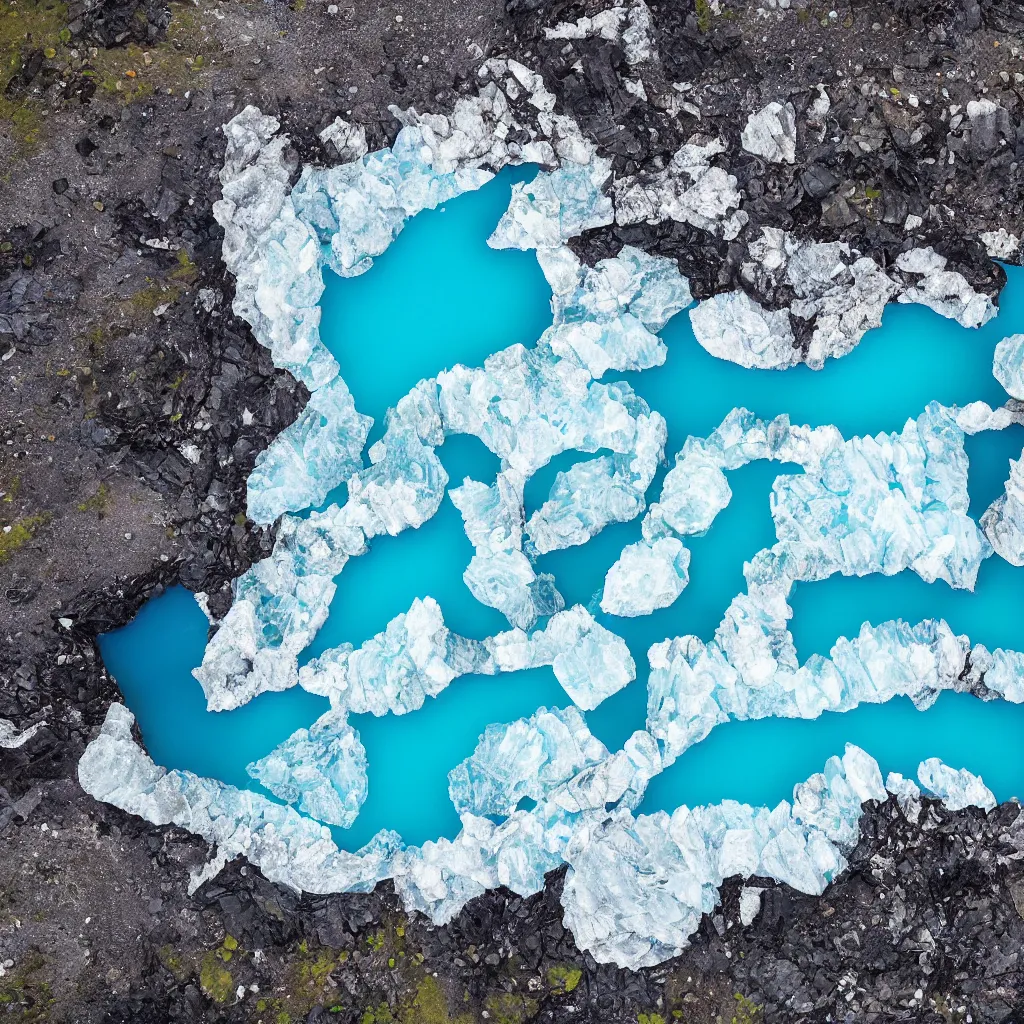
column 526, row 405
column 637, row 883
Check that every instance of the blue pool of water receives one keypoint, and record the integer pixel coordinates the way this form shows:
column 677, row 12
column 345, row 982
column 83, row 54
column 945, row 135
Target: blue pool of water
column 441, row 296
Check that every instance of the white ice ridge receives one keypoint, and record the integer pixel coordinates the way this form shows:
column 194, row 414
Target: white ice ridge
column 637, row 885
column 286, row 846
column 526, row 405
column 870, row 504
column 417, row 656
column 956, row 788
column 837, row 289
column 10, row 738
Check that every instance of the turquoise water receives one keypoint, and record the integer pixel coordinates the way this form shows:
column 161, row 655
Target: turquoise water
column 440, row 296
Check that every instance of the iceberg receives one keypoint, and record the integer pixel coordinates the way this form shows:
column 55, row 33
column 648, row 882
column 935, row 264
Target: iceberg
column 956, row 788
column 647, row 575
column 610, row 489
column 733, row 326
column 500, row 575
column 320, row 770
column 842, row 293
column 524, row 760
column 1003, row 520
column 1008, row 365
column 907, row 793
column 695, row 686
column 323, row 447
column 416, row 657
column 588, row 660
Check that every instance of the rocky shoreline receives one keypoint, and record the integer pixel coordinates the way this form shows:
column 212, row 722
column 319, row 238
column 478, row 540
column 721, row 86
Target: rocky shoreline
column 135, row 403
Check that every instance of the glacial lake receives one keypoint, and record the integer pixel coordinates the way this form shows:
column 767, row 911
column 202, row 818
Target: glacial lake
column 440, row 296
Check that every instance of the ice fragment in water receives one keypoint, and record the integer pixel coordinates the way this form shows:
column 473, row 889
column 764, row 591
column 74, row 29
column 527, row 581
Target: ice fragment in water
column 1008, row 364
column 320, row 770
column 527, row 758
column 286, row 846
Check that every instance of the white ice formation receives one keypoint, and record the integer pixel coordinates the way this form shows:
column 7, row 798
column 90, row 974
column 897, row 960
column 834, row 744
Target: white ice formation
column 544, row 791
column 956, row 788
column 320, row 770
column 1003, row 520
column 691, row 190
column 946, row 291
column 636, row 887
column 417, row 656
column 1008, row 365
column 288, row 847
column 839, row 291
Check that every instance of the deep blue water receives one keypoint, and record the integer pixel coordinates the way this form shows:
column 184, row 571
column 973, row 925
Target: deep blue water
column 440, row 296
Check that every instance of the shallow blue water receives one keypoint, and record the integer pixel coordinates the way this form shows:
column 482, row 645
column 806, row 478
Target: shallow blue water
column 440, row 296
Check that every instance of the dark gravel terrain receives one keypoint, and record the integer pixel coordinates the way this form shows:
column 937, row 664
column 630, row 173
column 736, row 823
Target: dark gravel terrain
column 133, row 404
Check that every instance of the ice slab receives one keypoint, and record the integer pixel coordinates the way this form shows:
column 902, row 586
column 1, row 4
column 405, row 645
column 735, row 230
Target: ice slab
column 320, row 770
column 956, row 788
column 637, row 887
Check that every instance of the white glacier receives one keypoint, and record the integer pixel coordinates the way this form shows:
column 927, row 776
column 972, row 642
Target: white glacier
column 637, row 884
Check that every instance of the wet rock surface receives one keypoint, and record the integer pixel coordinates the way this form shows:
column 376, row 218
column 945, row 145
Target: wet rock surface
column 133, row 404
